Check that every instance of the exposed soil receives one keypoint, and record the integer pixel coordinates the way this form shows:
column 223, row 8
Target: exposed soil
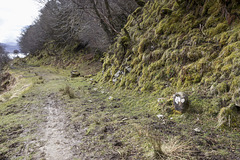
column 56, row 141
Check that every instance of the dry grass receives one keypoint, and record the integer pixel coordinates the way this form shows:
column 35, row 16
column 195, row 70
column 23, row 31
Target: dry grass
column 174, row 148
column 171, row 149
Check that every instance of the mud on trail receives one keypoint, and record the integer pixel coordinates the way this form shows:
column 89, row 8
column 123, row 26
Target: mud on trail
column 58, row 117
column 57, row 143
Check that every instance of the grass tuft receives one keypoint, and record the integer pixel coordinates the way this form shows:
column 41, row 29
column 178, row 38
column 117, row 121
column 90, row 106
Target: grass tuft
column 68, row 91
column 172, row 148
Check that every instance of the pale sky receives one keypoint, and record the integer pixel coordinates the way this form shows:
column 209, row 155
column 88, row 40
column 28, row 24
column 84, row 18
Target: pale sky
column 14, row 16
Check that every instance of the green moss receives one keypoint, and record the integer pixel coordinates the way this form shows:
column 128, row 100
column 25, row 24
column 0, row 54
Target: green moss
column 160, row 27
column 107, row 75
column 224, row 38
column 228, row 117
column 226, row 68
column 147, row 87
column 106, row 63
column 137, row 11
column 212, row 21
column 143, row 45
column 229, row 49
column 125, row 41
column 166, row 11
column 235, row 83
column 233, row 38
column 236, row 97
column 188, row 17
column 221, row 27
column 222, row 87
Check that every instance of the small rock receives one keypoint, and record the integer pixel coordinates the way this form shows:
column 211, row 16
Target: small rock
column 75, row 73
column 180, row 101
column 124, row 119
column 95, row 89
column 163, row 122
column 197, row 130
column 118, row 74
column 128, row 68
column 160, row 116
column 110, row 98
column 114, row 80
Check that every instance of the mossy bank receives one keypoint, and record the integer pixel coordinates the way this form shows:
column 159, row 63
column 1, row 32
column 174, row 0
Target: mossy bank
column 170, row 46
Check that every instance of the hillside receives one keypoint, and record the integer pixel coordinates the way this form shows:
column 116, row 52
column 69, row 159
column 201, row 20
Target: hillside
column 170, row 46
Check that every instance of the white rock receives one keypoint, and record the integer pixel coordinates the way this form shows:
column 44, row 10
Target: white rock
column 124, row 119
column 163, row 122
column 160, row 116
column 128, row 68
column 117, row 74
column 197, row 130
column 110, row 98
column 95, row 89
column 114, row 80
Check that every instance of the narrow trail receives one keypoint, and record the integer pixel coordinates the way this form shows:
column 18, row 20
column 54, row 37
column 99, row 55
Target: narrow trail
column 57, row 144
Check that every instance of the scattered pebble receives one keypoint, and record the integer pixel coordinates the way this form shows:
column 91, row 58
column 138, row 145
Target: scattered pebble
column 114, row 80
column 197, row 130
column 110, row 98
column 163, row 122
column 160, row 116
column 124, row 119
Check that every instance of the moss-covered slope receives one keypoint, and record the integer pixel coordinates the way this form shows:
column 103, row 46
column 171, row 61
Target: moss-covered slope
column 68, row 57
column 174, row 45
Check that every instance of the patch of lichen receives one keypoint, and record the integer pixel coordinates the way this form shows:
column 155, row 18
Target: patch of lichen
column 174, row 46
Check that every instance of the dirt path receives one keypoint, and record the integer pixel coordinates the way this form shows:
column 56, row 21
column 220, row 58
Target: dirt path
column 57, row 144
